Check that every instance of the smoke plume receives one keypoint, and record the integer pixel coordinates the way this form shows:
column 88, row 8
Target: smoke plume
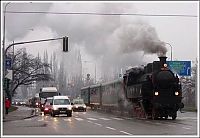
column 115, row 42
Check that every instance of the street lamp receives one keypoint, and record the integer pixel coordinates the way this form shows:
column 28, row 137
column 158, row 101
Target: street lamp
column 4, row 56
column 4, row 24
column 170, row 47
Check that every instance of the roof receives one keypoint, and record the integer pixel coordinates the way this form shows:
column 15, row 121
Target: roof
column 60, row 97
column 49, row 89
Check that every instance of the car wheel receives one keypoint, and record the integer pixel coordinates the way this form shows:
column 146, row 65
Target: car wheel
column 69, row 114
column 52, row 114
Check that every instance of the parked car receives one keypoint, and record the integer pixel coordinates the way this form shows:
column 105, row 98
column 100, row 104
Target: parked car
column 48, row 105
column 78, row 105
column 61, row 105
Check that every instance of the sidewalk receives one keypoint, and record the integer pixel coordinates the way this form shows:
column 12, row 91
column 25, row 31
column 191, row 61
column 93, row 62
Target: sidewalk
column 20, row 113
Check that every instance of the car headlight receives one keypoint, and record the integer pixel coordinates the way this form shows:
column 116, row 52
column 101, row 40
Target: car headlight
column 156, row 93
column 84, row 106
column 76, row 106
column 176, row 93
column 69, row 108
column 55, row 108
column 36, row 103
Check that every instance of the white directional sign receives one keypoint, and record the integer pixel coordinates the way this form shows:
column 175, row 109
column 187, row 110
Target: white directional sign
column 9, row 74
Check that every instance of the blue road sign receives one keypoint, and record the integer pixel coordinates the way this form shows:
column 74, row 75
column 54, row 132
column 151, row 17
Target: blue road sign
column 8, row 63
column 182, row 68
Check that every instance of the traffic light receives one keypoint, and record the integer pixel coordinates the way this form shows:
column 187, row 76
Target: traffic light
column 65, row 44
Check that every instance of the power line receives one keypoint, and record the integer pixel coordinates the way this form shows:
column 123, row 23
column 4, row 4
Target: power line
column 104, row 14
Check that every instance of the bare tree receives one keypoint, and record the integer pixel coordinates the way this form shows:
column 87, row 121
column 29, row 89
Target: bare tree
column 27, row 70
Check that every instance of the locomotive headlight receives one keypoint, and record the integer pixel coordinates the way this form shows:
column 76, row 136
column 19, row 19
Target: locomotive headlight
column 156, row 93
column 176, row 93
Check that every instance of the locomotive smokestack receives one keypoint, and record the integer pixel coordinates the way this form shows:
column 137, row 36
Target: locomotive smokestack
column 162, row 61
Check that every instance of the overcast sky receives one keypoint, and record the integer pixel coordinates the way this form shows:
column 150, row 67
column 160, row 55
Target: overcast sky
column 124, row 39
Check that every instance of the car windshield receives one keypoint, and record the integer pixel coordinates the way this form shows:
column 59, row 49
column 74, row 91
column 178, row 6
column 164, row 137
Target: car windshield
column 78, row 102
column 49, row 100
column 61, row 101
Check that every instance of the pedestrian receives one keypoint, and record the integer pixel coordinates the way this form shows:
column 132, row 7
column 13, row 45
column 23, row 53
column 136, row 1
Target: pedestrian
column 7, row 104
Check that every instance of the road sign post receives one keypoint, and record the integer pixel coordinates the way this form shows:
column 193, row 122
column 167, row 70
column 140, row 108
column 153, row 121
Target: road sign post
column 182, row 68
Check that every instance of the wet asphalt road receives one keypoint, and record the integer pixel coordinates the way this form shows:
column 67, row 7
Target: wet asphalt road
column 95, row 123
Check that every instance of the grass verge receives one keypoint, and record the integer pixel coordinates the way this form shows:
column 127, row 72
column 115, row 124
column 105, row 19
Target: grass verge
column 190, row 109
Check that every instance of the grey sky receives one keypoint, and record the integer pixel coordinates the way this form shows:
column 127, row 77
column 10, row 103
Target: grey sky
column 98, row 36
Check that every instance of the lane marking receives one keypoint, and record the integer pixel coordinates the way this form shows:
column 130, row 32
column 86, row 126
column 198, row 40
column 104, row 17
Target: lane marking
column 98, row 124
column 117, row 118
column 128, row 118
column 171, row 125
column 158, row 123
column 28, row 119
column 41, row 120
column 79, row 119
column 104, row 118
column 69, row 119
column 111, row 128
column 90, row 121
column 91, row 118
column 186, row 127
column 126, row 132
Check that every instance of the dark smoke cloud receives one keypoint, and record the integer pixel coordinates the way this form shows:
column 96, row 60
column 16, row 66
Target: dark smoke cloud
column 139, row 36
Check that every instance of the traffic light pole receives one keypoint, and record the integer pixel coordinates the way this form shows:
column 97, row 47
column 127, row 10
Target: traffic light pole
column 26, row 42
column 65, row 43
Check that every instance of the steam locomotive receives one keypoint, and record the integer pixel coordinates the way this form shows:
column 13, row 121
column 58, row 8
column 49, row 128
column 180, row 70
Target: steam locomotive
column 150, row 92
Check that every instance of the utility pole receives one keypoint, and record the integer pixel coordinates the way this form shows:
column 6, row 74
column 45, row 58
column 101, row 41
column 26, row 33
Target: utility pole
column 170, row 47
column 4, row 56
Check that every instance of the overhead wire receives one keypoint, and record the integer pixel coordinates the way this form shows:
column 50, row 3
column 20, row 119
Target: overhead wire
column 103, row 14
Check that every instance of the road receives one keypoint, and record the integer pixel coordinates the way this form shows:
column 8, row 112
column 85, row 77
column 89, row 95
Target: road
column 95, row 123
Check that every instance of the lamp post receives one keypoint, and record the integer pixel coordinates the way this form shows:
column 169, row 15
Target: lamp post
column 170, row 47
column 4, row 54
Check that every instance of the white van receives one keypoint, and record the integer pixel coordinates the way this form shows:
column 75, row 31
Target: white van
column 61, row 105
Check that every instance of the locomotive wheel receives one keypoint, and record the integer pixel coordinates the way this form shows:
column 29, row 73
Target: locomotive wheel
column 173, row 117
column 166, row 117
column 142, row 114
column 137, row 112
column 153, row 115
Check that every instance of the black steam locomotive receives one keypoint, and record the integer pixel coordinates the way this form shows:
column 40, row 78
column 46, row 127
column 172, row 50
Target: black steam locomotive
column 153, row 92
